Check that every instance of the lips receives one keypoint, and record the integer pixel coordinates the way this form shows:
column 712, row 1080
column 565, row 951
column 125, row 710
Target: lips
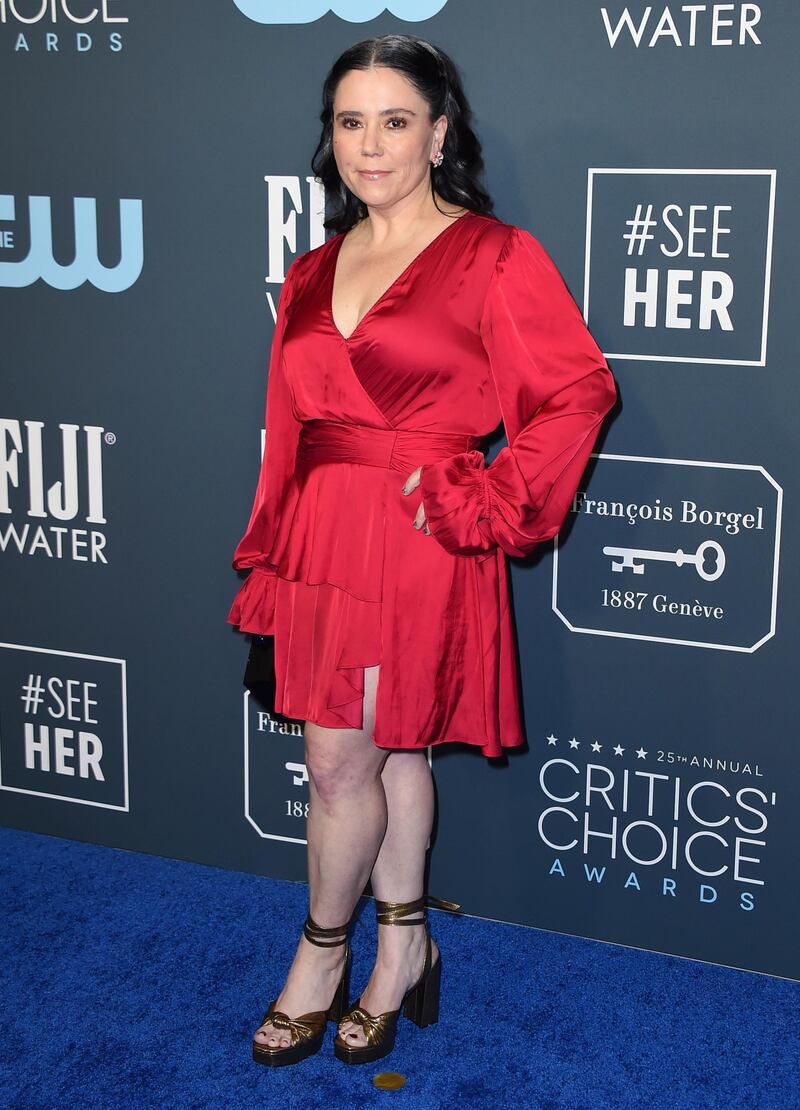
column 374, row 173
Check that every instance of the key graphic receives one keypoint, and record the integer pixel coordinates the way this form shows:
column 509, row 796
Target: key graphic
column 634, row 558
column 299, row 773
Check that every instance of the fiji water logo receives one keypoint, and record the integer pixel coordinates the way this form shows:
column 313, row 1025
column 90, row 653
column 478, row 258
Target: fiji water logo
column 354, row 11
column 85, row 266
column 51, row 485
column 684, row 25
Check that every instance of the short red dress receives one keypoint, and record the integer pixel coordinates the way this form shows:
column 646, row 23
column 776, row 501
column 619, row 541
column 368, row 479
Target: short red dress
column 480, row 327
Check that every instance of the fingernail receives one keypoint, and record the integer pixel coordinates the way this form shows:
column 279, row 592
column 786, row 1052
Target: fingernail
column 405, row 491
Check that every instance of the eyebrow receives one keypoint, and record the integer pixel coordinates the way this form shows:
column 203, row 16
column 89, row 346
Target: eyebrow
column 385, row 112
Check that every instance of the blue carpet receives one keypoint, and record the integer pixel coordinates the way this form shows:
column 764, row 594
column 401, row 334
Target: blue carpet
column 134, row 981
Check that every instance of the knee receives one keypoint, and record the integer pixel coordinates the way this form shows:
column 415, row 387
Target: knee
column 335, row 774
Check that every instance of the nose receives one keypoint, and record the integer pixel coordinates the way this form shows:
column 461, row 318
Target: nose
column 370, row 143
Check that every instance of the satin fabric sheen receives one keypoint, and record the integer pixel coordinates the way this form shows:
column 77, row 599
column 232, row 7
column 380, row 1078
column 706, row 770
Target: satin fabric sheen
column 480, row 328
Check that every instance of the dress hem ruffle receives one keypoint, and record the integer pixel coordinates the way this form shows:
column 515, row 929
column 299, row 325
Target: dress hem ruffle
column 330, row 696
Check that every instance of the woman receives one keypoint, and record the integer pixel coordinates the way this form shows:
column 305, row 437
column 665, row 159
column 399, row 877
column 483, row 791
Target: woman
column 378, row 537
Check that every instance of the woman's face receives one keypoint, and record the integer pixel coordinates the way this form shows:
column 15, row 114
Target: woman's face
column 383, row 140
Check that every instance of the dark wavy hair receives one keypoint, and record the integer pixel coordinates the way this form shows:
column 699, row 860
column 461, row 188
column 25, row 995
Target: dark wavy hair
column 435, row 77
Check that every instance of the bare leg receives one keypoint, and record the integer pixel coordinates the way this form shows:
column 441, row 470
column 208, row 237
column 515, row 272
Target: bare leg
column 346, row 824
column 398, row 876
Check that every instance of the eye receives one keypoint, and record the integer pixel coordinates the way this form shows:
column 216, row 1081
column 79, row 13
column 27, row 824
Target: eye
column 393, row 119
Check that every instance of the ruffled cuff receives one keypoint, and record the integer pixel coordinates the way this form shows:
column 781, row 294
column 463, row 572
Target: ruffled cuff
column 253, row 608
column 471, row 508
column 457, row 501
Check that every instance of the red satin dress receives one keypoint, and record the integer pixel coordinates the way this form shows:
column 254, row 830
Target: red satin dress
column 479, row 328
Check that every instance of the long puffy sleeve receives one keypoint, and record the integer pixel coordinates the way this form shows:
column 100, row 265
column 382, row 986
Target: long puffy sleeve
column 253, row 604
column 554, row 389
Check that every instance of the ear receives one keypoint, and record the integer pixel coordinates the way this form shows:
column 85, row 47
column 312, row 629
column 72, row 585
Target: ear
column 439, row 131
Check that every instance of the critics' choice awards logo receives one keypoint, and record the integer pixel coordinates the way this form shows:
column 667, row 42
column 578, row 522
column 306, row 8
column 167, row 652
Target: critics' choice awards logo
column 682, row 25
column 35, row 240
column 56, row 26
column 63, row 726
column 672, row 549
column 671, row 826
column 275, row 775
column 354, row 11
column 51, row 490
column 678, row 264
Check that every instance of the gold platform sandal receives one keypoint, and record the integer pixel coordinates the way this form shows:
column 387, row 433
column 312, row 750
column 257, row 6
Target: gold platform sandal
column 308, row 1030
column 420, row 1003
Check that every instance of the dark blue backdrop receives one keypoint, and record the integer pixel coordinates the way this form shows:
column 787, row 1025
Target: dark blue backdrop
column 156, row 185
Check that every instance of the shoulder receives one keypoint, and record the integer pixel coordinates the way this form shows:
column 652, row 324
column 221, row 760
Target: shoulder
column 304, row 266
column 306, row 263
column 490, row 231
column 507, row 239
column 519, row 258
column 499, row 242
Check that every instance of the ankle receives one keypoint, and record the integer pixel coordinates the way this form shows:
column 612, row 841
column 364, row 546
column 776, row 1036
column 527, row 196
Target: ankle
column 395, row 948
column 323, row 955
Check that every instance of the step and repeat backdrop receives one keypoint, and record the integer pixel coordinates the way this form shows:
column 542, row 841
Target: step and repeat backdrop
column 155, row 187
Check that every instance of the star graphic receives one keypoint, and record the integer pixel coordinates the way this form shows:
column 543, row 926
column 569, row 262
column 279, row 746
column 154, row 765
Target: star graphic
column 641, row 753
column 551, row 740
column 574, row 743
column 596, row 747
column 618, row 750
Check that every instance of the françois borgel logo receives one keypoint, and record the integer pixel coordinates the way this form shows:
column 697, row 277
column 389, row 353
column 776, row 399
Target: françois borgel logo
column 63, row 726
column 354, row 11
column 51, row 490
column 42, row 239
column 675, row 550
column 678, row 264
column 275, row 775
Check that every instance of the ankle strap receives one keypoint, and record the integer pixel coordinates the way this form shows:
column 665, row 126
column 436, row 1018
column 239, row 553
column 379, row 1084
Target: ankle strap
column 324, row 937
column 390, row 913
column 393, row 913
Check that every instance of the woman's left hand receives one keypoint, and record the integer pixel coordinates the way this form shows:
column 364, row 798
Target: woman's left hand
column 411, row 483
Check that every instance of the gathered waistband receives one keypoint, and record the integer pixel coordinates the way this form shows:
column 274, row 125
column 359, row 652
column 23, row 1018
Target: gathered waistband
column 393, row 449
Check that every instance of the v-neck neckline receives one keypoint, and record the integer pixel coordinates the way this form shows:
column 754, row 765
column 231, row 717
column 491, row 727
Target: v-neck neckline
column 332, row 272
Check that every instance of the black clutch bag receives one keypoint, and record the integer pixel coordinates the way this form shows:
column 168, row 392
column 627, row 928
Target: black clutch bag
column 259, row 673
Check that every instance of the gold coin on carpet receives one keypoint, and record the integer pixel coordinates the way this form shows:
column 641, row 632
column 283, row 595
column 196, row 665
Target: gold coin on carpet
column 389, row 1080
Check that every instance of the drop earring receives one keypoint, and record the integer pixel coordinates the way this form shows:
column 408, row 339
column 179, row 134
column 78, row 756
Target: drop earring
column 438, row 158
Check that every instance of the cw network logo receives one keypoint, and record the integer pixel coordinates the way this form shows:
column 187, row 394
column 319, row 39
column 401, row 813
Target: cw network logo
column 354, row 11
column 86, row 266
